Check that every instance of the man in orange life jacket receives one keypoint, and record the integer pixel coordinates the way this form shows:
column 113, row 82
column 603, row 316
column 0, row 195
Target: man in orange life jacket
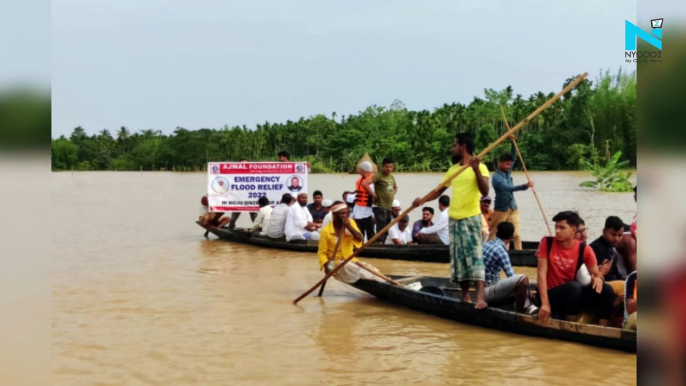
column 362, row 212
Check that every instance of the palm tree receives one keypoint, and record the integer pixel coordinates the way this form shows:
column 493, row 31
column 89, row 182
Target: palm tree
column 123, row 138
column 78, row 134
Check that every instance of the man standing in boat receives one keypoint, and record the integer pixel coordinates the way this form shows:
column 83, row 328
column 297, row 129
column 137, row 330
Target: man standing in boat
column 466, row 262
column 362, row 211
column 505, row 208
column 385, row 189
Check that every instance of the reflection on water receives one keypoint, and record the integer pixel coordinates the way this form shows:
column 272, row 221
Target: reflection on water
column 140, row 297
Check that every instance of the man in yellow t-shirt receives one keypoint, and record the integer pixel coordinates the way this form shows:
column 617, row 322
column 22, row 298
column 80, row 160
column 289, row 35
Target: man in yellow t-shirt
column 466, row 261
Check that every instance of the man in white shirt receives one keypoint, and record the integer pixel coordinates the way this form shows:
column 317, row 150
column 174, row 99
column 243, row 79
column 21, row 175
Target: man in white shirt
column 328, row 204
column 400, row 234
column 277, row 220
column 299, row 224
column 263, row 216
column 437, row 233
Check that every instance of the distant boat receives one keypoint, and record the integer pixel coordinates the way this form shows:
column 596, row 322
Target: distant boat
column 424, row 253
column 440, row 297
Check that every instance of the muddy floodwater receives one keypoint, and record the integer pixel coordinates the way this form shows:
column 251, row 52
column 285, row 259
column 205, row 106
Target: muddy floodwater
column 141, row 298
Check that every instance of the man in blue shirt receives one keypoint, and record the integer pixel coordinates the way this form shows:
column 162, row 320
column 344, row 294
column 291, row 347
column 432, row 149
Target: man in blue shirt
column 496, row 259
column 505, row 208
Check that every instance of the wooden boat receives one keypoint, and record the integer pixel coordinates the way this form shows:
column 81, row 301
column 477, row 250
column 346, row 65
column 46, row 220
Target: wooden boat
column 425, row 253
column 440, row 297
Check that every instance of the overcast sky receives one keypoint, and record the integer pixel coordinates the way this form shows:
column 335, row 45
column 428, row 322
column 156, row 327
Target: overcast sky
column 166, row 63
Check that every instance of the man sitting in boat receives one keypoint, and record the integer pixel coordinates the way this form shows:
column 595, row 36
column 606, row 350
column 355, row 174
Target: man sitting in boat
column 606, row 255
column 486, row 210
column 630, row 307
column 496, row 259
column 327, row 204
column 425, row 222
column 299, row 224
column 352, row 237
column 581, row 233
column 316, row 208
column 559, row 291
column 437, row 233
column 396, row 209
column 211, row 219
column 263, row 216
column 277, row 221
column 400, row 233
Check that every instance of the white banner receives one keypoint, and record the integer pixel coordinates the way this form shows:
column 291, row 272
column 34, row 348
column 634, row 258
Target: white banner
column 236, row 186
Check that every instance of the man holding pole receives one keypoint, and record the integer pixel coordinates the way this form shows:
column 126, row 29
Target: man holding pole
column 331, row 251
column 460, row 209
column 505, row 208
column 466, row 261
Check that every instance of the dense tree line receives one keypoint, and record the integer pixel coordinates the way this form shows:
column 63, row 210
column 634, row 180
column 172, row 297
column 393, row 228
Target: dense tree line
column 592, row 122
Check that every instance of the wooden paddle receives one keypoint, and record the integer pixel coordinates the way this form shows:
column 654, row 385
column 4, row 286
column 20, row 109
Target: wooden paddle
column 447, row 182
column 545, row 218
column 333, row 256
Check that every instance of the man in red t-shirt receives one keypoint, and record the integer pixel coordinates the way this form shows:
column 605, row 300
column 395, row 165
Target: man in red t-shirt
column 558, row 289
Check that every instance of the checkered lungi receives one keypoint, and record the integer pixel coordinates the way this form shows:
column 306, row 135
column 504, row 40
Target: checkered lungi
column 466, row 261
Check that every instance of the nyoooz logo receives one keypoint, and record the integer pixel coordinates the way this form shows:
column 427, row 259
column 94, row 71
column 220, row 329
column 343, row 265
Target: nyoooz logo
column 654, row 38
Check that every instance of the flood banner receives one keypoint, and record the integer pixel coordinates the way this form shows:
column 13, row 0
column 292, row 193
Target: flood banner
column 236, row 186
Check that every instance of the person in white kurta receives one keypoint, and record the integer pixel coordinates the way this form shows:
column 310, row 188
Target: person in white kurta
column 299, row 224
column 263, row 216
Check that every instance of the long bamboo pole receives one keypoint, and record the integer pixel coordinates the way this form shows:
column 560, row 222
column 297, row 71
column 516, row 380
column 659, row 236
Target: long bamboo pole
column 521, row 159
column 447, row 181
column 377, row 274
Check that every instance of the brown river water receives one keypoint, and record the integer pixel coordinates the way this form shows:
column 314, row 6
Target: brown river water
column 141, row 298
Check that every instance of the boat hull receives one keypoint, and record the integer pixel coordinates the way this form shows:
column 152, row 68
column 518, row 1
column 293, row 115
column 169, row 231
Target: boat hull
column 498, row 318
column 423, row 253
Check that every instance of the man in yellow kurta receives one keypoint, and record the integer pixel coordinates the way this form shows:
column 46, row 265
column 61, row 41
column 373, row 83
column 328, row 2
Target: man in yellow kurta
column 352, row 237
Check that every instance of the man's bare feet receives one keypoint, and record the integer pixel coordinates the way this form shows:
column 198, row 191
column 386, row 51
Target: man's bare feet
column 480, row 305
column 466, row 298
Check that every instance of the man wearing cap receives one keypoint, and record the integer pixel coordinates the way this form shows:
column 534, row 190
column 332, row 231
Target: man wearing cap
column 400, row 233
column 395, row 210
column 437, row 233
column 352, row 237
column 299, row 224
column 505, row 204
column 349, row 200
column 362, row 211
column 327, row 204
